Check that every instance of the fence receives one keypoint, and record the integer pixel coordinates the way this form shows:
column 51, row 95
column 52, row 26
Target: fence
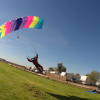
column 56, row 77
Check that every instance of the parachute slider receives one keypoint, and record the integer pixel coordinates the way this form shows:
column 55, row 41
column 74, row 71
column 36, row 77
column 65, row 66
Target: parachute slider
column 17, row 36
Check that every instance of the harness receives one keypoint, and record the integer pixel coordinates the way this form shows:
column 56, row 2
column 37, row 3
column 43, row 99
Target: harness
column 37, row 64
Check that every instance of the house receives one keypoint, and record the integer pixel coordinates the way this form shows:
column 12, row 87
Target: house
column 69, row 75
column 63, row 74
column 84, row 79
column 98, row 82
column 54, row 72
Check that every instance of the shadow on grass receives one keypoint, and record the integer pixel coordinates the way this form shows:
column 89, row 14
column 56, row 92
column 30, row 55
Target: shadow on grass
column 61, row 97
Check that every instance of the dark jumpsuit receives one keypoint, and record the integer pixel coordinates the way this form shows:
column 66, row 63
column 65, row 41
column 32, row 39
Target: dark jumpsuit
column 35, row 62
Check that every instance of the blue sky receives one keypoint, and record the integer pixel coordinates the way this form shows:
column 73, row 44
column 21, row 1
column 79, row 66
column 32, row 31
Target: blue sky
column 70, row 34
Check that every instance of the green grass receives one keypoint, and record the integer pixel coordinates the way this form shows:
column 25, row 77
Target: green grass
column 16, row 84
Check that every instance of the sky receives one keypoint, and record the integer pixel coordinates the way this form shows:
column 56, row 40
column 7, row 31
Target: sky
column 70, row 34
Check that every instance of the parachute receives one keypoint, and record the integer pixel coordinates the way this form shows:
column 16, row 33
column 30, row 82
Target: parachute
column 23, row 22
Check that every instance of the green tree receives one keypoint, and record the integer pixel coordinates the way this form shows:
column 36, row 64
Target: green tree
column 51, row 69
column 61, row 68
column 77, row 76
column 93, row 76
column 55, row 68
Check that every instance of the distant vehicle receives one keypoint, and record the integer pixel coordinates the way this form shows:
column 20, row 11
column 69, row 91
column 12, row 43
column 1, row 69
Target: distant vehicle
column 54, row 72
column 46, row 71
column 2, row 60
column 37, row 71
column 70, row 76
column 63, row 74
column 74, row 80
column 33, row 70
column 98, row 82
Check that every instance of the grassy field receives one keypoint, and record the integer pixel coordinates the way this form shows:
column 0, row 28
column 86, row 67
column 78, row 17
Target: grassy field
column 16, row 84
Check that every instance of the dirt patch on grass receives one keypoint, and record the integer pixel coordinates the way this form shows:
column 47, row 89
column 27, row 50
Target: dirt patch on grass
column 30, row 90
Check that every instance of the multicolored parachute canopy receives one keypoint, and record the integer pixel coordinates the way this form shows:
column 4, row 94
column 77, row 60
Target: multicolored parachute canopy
column 23, row 22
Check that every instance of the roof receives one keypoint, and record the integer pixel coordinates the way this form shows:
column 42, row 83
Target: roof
column 83, row 78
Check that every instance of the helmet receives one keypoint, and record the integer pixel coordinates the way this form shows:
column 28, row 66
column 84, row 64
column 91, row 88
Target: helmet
column 33, row 58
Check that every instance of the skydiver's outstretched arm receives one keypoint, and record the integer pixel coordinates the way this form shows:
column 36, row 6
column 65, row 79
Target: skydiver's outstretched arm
column 29, row 60
column 36, row 56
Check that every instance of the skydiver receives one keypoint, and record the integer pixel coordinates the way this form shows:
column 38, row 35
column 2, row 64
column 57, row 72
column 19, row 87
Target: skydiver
column 35, row 62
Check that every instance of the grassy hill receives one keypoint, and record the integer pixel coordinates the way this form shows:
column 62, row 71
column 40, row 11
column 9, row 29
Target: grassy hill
column 16, row 84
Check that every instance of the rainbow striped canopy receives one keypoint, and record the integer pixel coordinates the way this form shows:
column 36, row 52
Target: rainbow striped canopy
column 23, row 22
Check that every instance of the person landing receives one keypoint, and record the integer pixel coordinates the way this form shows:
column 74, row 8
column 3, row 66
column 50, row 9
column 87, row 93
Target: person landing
column 35, row 62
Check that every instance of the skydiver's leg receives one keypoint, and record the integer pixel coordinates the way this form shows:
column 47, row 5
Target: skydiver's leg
column 40, row 67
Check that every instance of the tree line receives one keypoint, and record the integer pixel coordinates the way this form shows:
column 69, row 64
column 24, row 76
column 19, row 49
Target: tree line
column 60, row 68
column 92, row 76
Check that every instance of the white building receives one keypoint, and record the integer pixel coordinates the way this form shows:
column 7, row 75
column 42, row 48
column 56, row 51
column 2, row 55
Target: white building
column 63, row 74
column 98, row 82
column 54, row 72
column 69, row 75
column 84, row 79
